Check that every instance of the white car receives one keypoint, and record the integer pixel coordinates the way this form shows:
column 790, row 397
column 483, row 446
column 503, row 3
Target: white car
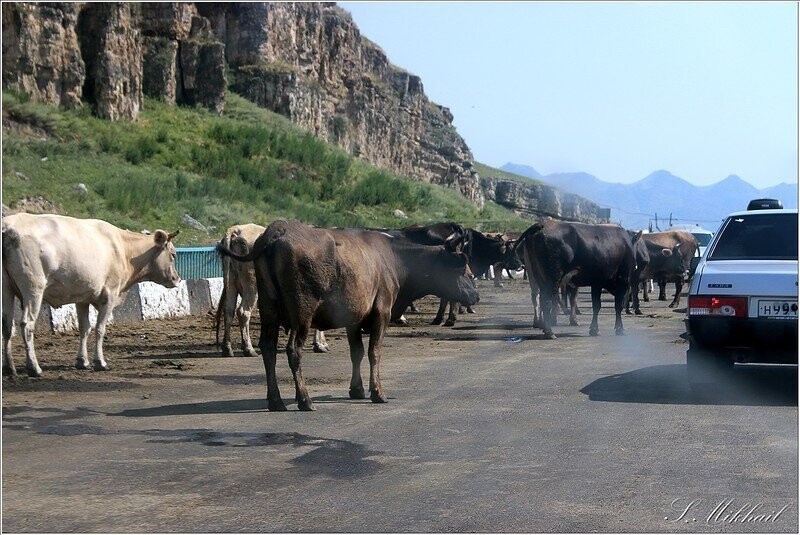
column 743, row 298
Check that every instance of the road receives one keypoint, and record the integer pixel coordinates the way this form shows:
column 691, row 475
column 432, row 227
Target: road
column 489, row 428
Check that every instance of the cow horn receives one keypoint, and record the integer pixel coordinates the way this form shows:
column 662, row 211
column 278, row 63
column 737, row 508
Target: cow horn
column 173, row 234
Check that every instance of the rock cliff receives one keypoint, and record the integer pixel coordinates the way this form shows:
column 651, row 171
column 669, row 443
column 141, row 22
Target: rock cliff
column 307, row 61
column 539, row 201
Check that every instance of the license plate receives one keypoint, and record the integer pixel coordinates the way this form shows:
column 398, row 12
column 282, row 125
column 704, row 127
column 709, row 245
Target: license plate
column 777, row 309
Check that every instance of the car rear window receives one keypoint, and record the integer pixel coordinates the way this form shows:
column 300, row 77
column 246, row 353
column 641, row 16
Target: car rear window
column 757, row 237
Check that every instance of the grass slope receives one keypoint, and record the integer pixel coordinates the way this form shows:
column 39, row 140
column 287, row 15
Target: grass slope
column 248, row 165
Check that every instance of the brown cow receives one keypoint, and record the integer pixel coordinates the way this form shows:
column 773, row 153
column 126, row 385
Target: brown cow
column 62, row 260
column 358, row 279
column 239, row 280
column 670, row 271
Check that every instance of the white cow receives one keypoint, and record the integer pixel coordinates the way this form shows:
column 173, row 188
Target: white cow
column 239, row 280
column 62, row 260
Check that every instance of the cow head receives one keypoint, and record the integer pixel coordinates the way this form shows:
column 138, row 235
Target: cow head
column 456, row 282
column 162, row 265
column 511, row 259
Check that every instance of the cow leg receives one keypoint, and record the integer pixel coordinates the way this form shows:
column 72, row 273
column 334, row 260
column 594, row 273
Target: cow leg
column 294, row 344
column 451, row 316
column 243, row 313
column 375, row 347
column 572, row 298
column 84, row 328
column 594, row 330
column 229, row 309
column 268, row 343
column 620, row 297
column 440, row 313
column 320, row 344
column 356, row 356
column 662, row 290
column 646, row 288
column 677, row 299
column 30, row 311
column 8, row 326
column 548, row 302
column 103, row 314
column 498, row 275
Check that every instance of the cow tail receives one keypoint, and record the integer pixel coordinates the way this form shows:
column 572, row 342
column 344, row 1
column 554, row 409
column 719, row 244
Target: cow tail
column 10, row 240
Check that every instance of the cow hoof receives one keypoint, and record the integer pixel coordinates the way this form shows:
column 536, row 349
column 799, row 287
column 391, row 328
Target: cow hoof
column 449, row 323
column 470, row 310
column 594, row 332
column 81, row 364
column 436, row 321
column 249, row 352
column 574, row 323
column 549, row 336
column 275, row 406
column 227, row 351
column 305, row 405
column 638, row 312
column 100, row 367
column 646, row 299
column 498, row 285
column 671, row 305
column 413, row 309
column 357, row 393
column 400, row 321
column 627, row 312
column 378, row 397
column 321, row 349
column 662, row 298
column 619, row 332
column 11, row 372
column 34, row 372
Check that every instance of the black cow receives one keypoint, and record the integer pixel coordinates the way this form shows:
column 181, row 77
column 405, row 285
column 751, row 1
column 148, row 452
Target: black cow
column 558, row 254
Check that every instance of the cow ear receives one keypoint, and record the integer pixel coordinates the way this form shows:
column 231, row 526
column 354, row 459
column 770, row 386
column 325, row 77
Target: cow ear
column 161, row 237
column 638, row 235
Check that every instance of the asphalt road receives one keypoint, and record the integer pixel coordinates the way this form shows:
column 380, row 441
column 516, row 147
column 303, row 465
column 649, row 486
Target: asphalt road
column 489, row 428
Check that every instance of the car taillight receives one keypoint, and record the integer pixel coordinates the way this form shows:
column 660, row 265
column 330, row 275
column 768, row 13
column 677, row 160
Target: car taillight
column 718, row 306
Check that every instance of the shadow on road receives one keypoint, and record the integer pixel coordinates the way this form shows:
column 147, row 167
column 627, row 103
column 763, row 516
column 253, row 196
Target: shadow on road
column 667, row 384
column 209, row 407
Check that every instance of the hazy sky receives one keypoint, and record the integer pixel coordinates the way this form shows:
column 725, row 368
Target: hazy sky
column 618, row 90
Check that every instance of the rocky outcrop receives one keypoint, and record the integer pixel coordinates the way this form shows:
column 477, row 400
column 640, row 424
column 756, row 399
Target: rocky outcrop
column 539, row 201
column 307, row 61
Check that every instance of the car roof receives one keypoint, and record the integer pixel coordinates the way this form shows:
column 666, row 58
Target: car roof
column 765, row 212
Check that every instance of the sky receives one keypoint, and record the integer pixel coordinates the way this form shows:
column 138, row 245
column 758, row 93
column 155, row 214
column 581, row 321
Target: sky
column 617, row 90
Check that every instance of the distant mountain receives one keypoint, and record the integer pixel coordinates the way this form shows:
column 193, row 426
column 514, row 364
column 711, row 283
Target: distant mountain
column 662, row 193
column 524, row 170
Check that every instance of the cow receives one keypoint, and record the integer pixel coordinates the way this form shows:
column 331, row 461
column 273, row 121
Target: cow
column 559, row 253
column 512, row 264
column 662, row 262
column 482, row 251
column 60, row 260
column 672, row 271
column 310, row 277
column 239, row 280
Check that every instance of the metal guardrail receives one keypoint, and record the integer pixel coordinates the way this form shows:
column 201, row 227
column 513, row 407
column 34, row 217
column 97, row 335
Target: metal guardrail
column 197, row 263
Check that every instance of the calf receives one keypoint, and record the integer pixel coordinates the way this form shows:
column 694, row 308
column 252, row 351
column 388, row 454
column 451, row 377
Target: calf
column 558, row 254
column 60, row 260
column 239, row 280
column 309, row 277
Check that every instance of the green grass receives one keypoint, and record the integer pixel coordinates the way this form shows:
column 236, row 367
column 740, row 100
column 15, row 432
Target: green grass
column 248, row 165
column 486, row 171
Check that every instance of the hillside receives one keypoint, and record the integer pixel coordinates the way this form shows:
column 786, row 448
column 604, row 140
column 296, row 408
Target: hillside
column 245, row 165
column 635, row 205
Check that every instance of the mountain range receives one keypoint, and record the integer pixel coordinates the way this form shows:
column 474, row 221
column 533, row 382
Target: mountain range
column 662, row 194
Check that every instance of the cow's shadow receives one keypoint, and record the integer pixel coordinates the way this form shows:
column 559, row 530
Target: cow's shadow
column 758, row 385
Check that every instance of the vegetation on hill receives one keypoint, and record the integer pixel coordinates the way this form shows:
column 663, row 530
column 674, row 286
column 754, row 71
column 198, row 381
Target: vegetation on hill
column 486, row 171
column 248, row 165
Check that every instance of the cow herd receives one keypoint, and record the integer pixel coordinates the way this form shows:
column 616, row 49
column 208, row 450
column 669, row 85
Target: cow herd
column 306, row 278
